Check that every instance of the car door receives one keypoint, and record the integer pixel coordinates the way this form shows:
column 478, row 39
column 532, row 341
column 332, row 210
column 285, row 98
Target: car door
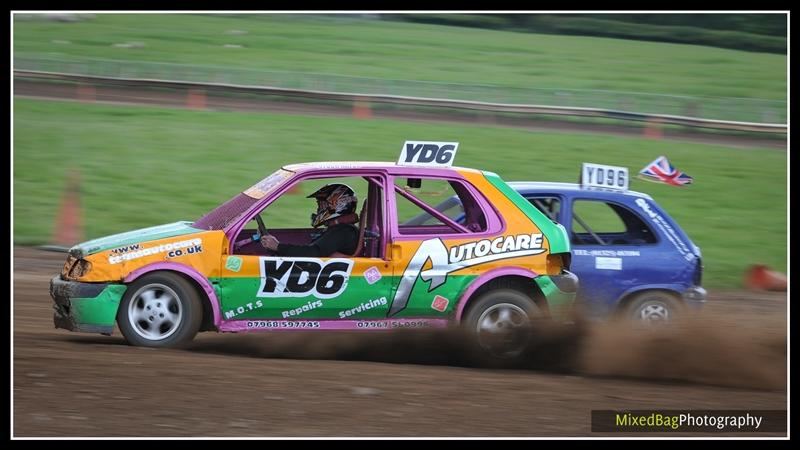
column 423, row 238
column 614, row 250
column 255, row 285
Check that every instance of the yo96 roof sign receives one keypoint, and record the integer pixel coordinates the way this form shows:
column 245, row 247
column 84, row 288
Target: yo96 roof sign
column 605, row 177
column 420, row 153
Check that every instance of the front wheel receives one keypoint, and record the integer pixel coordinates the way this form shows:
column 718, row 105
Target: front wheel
column 160, row 310
column 500, row 321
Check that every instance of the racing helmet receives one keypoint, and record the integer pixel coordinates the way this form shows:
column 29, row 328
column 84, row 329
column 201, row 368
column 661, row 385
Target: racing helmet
column 333, row 200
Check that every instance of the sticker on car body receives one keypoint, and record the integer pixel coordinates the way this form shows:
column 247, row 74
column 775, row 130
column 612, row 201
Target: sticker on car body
column 301, row 277
column 173, row 250
column 233, row 263
column 662, row 224
column 605, row 263
column 444, row 261
column 439, row 154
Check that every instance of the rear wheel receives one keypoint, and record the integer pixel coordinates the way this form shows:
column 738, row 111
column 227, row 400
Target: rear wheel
column 654, row 308
column 160, row 310
column 500, row 322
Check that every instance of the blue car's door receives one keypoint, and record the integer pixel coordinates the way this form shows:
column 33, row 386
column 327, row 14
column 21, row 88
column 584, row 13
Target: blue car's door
column 614, row 250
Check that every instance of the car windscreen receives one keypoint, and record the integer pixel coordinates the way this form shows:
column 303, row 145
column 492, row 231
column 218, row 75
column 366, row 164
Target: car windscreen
column 228, row 212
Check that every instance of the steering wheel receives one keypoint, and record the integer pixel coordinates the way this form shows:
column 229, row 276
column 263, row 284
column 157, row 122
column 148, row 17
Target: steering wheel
column 262, row 230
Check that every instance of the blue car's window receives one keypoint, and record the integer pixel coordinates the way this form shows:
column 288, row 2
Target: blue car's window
column 595, row 222
column 549, row 206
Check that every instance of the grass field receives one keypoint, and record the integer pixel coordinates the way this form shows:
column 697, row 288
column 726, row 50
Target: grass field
column 144, row 166
column 394, row 50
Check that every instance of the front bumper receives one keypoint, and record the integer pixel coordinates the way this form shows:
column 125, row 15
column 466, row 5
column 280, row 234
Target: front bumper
column 85, row 307
column 695, row 297
column 560, row 291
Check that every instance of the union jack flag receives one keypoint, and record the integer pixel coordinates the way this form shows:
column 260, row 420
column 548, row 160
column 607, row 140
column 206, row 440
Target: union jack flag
column 661, row 171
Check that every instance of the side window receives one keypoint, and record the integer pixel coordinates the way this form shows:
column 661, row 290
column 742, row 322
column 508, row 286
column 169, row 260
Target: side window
column 596, row 222
column 293, row 209
column 436, row 206
column 288, row 217
column 549, row 206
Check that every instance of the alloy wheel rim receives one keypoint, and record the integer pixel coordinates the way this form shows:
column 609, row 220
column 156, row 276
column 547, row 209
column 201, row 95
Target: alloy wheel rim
column 654, row 312
column 501, row 329
column 155, row 312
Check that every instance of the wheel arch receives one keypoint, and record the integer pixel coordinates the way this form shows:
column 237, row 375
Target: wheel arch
column 627, row 297
column 211, row 312
column 517, row 278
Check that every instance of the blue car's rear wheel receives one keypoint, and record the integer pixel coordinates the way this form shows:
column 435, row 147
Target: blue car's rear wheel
column 654, row 308
column 160, row 310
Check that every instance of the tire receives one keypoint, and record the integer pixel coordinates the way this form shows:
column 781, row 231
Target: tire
column 654, row 308
column 500, row 323
column 160, row 310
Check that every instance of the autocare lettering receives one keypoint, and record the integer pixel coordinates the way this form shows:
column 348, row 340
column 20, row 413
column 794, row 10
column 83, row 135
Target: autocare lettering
column 499, row 245
column 459, row 257
column 301, row 277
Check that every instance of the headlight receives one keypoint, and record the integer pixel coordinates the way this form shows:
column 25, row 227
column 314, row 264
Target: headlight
column 81, row 268
column 68, row 266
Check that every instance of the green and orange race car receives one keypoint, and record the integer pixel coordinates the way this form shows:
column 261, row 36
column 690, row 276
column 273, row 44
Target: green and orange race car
column 491, row 264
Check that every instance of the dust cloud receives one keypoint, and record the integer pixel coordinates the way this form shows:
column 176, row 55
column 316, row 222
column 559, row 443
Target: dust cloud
column 699, row 350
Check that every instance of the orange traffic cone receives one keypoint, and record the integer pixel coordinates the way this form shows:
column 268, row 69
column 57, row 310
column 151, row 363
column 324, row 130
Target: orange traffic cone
column 196, row 99
column 68, row 223
column 652, row 129
column 86, row 93
column 760, row 277
column 362, row 110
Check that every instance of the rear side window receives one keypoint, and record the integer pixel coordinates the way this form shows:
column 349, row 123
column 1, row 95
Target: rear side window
column 436, row 206
column 596, row 222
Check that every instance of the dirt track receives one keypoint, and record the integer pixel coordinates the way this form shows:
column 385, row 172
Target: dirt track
column 70, row 384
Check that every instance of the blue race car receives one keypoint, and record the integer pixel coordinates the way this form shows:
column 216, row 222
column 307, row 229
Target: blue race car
column 631, row 257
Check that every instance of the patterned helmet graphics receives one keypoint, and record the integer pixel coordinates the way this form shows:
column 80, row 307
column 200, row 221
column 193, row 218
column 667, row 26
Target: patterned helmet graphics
column 333, row 200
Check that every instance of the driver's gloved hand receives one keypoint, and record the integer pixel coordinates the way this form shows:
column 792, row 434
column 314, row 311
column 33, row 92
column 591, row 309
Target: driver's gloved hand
column 269, row 242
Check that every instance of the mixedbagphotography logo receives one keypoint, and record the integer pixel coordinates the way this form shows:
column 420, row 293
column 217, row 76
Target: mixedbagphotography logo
column 715, row 421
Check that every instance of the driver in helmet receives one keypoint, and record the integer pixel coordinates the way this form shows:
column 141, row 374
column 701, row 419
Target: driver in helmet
column 336, row 206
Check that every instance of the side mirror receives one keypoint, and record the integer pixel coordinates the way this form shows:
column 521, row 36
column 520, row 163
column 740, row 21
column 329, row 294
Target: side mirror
column 414, row 183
